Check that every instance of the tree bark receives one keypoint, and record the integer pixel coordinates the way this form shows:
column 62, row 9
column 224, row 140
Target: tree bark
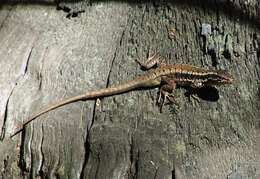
column 48, row 53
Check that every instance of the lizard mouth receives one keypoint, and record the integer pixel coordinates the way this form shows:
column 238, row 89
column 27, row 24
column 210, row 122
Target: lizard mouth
column 229, row 79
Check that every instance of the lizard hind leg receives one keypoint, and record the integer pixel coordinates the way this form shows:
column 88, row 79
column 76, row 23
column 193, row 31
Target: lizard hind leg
column 154, row 59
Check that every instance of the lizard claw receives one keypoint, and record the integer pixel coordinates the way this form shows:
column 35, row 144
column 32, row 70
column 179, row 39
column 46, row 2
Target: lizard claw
column 163, row 95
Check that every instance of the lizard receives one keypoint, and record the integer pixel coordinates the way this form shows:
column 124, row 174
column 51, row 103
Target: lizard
column 165, row 76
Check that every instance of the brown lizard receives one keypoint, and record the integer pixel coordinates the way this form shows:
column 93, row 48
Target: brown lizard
column 167, row 76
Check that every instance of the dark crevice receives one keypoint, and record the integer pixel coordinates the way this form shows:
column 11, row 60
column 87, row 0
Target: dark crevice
column 2, row 136
column 27, row 61
column 110, row 70
column 214, row 57
column 86, row 157
column 70, row 12
column 31, row 173
column 173, row 174
column 21, row 163
column 40, row 171
column 39, row 74
column 121, row 38
column 39, row 78
column 12, row 90
column 114, row 58
column 87, row 143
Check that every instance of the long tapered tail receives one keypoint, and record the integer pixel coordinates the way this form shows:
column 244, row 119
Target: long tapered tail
column 114, row 90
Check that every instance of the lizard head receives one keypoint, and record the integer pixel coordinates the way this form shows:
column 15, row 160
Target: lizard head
column 219, row 77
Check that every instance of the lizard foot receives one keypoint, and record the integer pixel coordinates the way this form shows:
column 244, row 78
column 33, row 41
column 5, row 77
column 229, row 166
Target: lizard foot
column 154, row 59
column 163, row 95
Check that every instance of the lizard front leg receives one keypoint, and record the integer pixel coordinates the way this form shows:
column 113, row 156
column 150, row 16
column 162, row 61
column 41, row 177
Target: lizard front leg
column 165, row 93
column 192, row 94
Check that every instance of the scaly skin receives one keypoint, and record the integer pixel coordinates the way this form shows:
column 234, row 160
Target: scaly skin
column 166, row 76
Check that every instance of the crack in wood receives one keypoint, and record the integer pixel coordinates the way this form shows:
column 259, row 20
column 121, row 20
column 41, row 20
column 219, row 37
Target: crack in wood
column 30, row 161
column 2, row 134
column 26, row 63
column 87, row 143
column 16, row 82
column 41, row 155
column 110, row 69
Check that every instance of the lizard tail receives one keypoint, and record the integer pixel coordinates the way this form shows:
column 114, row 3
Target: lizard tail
column 19, row 128
column 131, row 85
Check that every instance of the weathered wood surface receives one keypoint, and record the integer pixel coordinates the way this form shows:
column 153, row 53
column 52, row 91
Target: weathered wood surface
column 45, row 57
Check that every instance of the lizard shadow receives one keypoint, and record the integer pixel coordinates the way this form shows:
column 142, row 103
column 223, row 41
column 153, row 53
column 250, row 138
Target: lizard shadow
column 207, row 93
